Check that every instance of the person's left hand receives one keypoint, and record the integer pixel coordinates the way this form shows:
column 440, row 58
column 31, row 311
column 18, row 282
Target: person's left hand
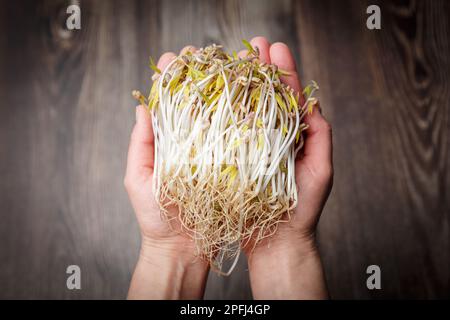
column 293, row 248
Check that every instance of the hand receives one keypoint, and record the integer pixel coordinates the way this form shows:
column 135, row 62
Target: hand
column 292, row 250
column 167, row 255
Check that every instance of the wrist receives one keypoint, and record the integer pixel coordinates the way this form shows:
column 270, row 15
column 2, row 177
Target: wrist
column 168, row 250
column 285, row 243
column 287, row 267
column 166, row 269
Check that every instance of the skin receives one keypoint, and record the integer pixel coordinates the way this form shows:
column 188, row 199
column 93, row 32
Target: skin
column 286, row 266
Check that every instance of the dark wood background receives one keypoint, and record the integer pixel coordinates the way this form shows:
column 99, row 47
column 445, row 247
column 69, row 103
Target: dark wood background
column 66, row 113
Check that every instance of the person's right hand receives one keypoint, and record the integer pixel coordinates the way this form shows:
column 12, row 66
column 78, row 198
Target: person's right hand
column 155, row 231
column 168, row 266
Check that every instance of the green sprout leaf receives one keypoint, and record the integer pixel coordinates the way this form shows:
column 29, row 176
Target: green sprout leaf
column 260, row 141
column 138, row 96
column 248, row 46
column 236, row 143
column 297, row 136
column 282, row 72
column 293, row 101
column 280, row 101
column 312, row 102
column 153, row 66
column 228, row 170
column 195, row 74
column 309, row 89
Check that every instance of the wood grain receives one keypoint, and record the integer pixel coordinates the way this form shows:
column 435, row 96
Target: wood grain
column 66, row 115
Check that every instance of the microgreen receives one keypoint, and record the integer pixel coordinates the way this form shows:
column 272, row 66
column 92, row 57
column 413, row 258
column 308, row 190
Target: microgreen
column 153, row 66
column 249, row 47
column 227, row 132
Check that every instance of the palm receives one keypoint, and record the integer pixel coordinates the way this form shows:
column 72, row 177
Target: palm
column 148, row 211
column 314, row 167
column 149, row 216
column 313, row 189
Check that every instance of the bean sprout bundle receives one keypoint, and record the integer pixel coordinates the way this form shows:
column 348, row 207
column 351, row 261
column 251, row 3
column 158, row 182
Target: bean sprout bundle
column 227, row 132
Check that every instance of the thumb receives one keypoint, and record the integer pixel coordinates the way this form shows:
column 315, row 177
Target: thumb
column 317, row 152
column 140, row 152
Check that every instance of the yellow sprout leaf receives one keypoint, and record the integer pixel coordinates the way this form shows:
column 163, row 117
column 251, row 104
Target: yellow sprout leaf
column 228, row 170
column 174, row 83
column 219, row 82
column 311, row 104
column 153, row 66
column 254, row 96
column 283, row 167
column 280, row 101
column 154, row 97
column 269, row 190
column 236, row 143
column 178, row 88
column 215, row 95
column 284, row 130
column 186, row 92
column 153, row 90
column 138, row 96
column 210, row 86
column 293, row 100
column 153, row 103
column 297, row 136
column 309, row 89
column 182, row 105
column 259, row 123
column 260, row 141
column 233, row 176
column 203, row 95
column 248, row 46
column 282, row 72
column 195, row 74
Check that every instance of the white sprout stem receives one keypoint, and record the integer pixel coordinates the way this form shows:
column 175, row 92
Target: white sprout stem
column 227, row 134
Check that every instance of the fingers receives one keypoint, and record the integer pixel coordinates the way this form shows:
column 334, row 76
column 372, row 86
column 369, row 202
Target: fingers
column 165, row 59
column 187, row 49
column 242, row 54
column 318, row 143
column 281, row 56
column 263, row 46
column 140, row 152
column 278, row 54
column 317, row 152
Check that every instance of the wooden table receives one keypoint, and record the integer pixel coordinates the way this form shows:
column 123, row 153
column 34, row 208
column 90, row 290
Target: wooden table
column 66, row 114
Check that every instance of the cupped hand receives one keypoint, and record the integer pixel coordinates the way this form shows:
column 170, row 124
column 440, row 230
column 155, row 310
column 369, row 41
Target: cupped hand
column 314, row 167
column 287, row 265
column 168, row 267
column 155, row 230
